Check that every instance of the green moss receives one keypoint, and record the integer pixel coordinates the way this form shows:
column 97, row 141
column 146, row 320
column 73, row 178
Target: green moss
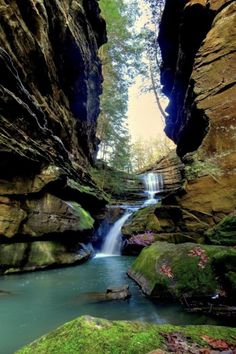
column 86, row 220
column 224, row 233
column 91, row 192
column 141, row 221
column 89, row 335
column 114, row 182
column 188, row 273
column 199, row 168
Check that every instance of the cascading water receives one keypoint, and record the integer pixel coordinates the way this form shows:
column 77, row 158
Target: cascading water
column 112, row 242
column 154, row 184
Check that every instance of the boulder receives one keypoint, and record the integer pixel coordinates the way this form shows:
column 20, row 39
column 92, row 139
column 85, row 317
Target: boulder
column 4, row 293
column 169, row 271
column 118, row 293
column 94, row 335
column 112, row 293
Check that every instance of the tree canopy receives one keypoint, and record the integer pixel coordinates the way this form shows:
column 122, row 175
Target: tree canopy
column 120, row 59
column 127, row 54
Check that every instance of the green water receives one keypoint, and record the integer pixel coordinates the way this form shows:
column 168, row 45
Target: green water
column 41, row 301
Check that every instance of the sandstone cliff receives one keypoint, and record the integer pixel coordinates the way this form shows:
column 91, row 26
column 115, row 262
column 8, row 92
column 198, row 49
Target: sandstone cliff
column 50, row 84
column 198, row 44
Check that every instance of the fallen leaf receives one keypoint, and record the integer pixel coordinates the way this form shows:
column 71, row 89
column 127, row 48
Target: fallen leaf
column 216, row 343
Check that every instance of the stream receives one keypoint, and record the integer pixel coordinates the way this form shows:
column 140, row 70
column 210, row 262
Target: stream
column 39, row 302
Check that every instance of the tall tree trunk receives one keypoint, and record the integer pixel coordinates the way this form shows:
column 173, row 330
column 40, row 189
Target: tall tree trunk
column 163, row 115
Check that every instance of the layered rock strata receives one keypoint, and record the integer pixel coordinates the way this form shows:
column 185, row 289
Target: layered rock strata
column 50, row 84
column 172, row 170
column 199, row 77
column 198, row 45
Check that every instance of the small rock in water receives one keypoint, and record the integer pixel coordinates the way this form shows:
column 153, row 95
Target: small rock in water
column 4, row 292
column 118, row 293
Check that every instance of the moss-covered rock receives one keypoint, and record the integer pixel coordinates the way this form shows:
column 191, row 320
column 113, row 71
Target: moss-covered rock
column 167, row 223
column 167, row 270
column 90, row 335
column 224, row 233
column 142, row 221
column 56, row 216
column 29, row 256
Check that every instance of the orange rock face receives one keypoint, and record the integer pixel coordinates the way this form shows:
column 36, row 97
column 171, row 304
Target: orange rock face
column 199, row 77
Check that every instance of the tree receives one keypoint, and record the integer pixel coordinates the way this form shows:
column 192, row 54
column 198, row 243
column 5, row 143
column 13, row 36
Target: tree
column 146, row 153
column 152, row 51
column 120, row 59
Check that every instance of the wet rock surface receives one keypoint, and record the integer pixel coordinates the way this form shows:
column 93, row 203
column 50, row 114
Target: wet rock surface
column 50, row 85
column 31, row 256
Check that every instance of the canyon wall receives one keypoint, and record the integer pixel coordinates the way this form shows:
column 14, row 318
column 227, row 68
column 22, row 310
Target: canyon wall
column 198, row 46
column 50, row 84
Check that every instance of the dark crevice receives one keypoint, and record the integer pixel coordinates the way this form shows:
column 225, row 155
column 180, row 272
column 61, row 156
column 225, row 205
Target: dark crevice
column 28, row 15
column 225, row 87
column 70, row 239
column 185, row 40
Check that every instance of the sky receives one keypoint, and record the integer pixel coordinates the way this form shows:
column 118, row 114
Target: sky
column 144, row 117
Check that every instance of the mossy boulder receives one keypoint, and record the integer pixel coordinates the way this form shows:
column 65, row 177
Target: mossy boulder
column 224, row 233
column 142, row 221
column 166, row 270
column 90, row 335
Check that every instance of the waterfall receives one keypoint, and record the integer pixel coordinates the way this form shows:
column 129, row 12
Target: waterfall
column 153, row 184
column 112, row 242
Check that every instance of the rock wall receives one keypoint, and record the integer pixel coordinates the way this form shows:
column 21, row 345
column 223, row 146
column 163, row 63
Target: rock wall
column 198, row 45
column 50, row 84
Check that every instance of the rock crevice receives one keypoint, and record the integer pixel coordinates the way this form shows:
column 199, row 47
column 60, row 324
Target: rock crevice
column 50, row 84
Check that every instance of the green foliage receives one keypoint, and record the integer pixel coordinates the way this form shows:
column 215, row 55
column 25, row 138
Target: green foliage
column 224, row 233
column 112, row 181
column 120, row 59
column 200, row 168
column 146, row 153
